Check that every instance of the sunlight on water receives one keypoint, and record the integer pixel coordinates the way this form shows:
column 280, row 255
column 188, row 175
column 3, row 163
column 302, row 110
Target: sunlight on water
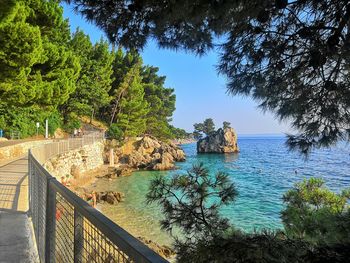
column 262, row 172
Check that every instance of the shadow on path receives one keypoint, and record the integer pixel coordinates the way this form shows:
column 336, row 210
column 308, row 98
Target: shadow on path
column 16, row 243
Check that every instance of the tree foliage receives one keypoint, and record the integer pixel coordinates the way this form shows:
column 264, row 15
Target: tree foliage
column 184, row 200
column 316, row 214
column 226, row 125
column 238, row 247
column 152, row 106
column 316, row 220
column 37, row 69
column 291, row 56
column 133, row 108
column 95, row 78
column 36, row 65
column 180, row 133
column 45, row 72
column 161, row 100
column 207, row 127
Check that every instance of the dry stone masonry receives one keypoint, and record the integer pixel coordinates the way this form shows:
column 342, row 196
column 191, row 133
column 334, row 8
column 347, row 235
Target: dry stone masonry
column 75, row 162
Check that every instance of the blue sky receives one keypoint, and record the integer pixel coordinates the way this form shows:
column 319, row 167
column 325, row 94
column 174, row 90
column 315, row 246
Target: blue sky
column 200, row 91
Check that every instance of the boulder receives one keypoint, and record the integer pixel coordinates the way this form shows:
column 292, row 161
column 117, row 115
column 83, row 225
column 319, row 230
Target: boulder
column 164, row 251
column 109, row 197
column 114, row 172
column 148, row 153
column 221, row 141
column 75, row 171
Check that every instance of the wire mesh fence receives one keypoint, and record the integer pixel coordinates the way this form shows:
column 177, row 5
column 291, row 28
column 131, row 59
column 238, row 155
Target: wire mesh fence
column 66, row 228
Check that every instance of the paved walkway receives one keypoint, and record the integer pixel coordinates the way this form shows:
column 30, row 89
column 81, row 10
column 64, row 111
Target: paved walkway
column 16, row 243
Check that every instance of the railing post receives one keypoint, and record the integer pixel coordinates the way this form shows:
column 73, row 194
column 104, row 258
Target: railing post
column 78, row 236
column 30, row 178
column 50, row 237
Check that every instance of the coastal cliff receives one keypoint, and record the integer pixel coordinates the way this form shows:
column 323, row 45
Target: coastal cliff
column 148, row 153
column 221, row 141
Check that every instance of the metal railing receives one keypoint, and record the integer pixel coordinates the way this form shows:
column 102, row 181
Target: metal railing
column 66, row 228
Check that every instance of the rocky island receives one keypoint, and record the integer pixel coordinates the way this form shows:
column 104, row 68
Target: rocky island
column 224, row 140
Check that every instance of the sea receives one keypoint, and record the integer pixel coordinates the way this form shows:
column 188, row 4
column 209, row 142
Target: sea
column 262, row 172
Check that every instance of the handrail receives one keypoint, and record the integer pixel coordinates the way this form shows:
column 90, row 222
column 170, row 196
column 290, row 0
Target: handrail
column 60, row 217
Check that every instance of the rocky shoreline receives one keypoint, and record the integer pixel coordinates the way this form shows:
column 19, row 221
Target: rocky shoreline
column 145, row 153
column 113, row 198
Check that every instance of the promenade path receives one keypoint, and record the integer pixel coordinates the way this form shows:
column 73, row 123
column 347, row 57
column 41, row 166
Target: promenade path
column 16, row 243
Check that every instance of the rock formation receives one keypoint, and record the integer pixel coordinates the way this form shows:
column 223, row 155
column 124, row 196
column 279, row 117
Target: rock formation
column 164, row 251
column 114, row 172
column 109, row 197
column 148, row 153
column 221, row 141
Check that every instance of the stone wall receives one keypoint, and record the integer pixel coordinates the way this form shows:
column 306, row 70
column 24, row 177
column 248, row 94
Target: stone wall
column 20, row 149
column 75, row 162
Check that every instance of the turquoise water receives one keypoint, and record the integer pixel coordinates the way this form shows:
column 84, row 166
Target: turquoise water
column 262, row 172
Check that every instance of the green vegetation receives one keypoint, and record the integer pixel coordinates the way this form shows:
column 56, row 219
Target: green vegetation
column 48, row 73
column 207, row 127
column 94, row 80
column 184, row 201
column 226, row 125
column 38, row 71
column 316, row 220
column 316, row 214
column 180, row 133
column 292, row 57
column 132, row 106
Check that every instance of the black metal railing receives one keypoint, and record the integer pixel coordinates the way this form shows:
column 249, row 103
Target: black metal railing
column 67, row 229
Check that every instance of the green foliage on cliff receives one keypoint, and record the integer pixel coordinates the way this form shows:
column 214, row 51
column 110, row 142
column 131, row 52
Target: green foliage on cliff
column 180, row 133
column 206, row 127
column 36, row 64
column 162, row 102
column 226, row 125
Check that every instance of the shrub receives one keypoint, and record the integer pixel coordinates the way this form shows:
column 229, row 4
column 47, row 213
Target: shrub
column 316, row 214
column 114, row 132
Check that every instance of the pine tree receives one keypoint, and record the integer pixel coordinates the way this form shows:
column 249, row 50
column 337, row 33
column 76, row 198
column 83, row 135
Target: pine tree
column 95, row 78
column 161, row 101
column 292, row 57
column 226, row 125
column 133, row 108
column 207, row 127
column 38, row 71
